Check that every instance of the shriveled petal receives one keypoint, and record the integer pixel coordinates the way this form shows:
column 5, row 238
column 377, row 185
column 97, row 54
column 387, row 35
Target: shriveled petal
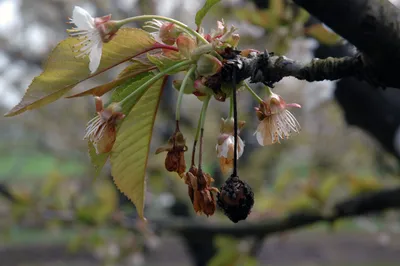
column 294, row 105
column 163, row 149
column 82, row 19
column 275, row 127
column 225, row 165
column 240, row 147
column 106, row 140
column 156, row 37
column 264, row 133
column 208, row 203
column 225, row 147
column 95, row 56
column 197, row 201
column 260, row 137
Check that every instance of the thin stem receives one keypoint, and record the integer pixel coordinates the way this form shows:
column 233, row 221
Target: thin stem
column 201, row 122
column 201, row 150
column 231, row 105
column 194, row 152
column 252, row 92
column 202, row 117
column 196, row 138
column 149, row 17
column 181, row 90
column 268, row 90
column 150, row 82
column 235, row 124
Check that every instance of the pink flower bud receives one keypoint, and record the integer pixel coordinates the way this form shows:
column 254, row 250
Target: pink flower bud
column 233, row 40
column 106, row 27
column 169, row 32
column 199, row 86
column 186, row 45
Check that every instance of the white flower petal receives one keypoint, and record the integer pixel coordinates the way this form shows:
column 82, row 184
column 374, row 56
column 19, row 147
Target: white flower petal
column 82, row 19
column 224, row 148
column 95, row 56
column 240, row 147
column 156, row 36
column 260, row 138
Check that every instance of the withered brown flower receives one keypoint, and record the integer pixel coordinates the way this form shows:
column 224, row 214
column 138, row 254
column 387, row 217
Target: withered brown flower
column 236, row 199
column 101, row 130
column 176, row 146
column 200, row 191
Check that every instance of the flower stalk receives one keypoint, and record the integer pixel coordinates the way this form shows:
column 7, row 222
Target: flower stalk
column 253, row 93
column 202, row 122
column 231, row 105
column 269, row 91
column 150, row 17
column 181, row 92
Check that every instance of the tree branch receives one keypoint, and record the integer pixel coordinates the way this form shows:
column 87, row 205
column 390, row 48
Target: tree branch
column 373, row 26
column 268, row 68
column 373, row 202
column 360, row 205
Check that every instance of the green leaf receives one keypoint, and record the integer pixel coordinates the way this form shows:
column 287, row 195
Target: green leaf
column 267, row 18
column 137, row 67
column 126, row 89
column 63, row 70
column 204, row 10
column 163, row 62
column 322, row 34
column 128, row 73
column 98, row 160
column 131, row 148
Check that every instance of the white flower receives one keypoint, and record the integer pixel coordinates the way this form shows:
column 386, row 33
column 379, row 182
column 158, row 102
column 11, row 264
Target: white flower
column 276, row 121
column 94, row 32
column 225, row 145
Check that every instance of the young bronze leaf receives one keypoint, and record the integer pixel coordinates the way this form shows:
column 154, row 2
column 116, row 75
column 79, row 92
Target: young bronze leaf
column 204, row 10
column 131, row 148
column 128, row 73
column 63, row 70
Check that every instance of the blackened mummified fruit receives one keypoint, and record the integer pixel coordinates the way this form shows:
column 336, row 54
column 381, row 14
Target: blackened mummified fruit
column 236, row 199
